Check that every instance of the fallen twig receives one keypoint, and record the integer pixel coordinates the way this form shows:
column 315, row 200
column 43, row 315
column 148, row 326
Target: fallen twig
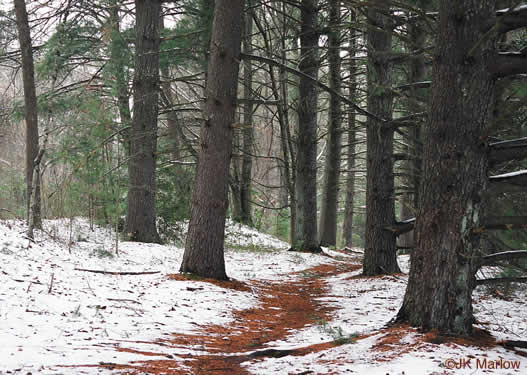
column 123, row 300
column 51, row 283
column 27, row 281
column 117, row 272
column 36, row 312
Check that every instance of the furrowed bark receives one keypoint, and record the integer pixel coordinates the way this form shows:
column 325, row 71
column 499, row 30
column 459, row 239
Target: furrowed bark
column 329, row 203
column 380, row 247
column 455, row 164
column 306, row 238
column 204, row 248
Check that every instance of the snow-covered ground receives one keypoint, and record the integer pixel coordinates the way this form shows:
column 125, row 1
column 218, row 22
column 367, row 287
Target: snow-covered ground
column 365, row 305
column 52, row 313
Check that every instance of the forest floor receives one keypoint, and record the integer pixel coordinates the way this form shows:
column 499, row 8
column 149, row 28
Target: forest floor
column 282, row 313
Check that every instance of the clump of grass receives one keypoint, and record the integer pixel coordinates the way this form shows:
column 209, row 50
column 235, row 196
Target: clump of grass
column 310, row 274
column 102, row 253
column 337, row 334
column 249, row 248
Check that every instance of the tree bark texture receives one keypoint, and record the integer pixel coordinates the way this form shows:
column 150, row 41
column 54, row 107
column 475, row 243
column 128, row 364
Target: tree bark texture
column 306, row 238
column 287, row 166
column 329, row 203
column 30, row 111
column 171, row 116
column 380, row 247
column 455, row 162
column 347, row 226
column 141, row 219
column 247, row 128
column 413, row 150
column 204, row 252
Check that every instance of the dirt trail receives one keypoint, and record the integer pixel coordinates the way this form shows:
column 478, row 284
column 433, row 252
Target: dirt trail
column 284, row 306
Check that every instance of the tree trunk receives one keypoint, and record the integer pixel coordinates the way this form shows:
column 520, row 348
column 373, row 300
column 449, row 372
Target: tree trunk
column 347, row 226
column 247, row 128
column 204, row 252
column 31, row 113
column 413, row 145
column 234, row 177
column 171, row 116
column 380, row 248
column 329, row 204
column 244, row 138
column 306, row 238
column 287, row 168
column 141, row 220
column 34, row 216
column 455, row 161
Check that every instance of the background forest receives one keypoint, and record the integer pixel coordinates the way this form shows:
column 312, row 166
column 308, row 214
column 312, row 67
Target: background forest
column 84, row 64
column 353, row 123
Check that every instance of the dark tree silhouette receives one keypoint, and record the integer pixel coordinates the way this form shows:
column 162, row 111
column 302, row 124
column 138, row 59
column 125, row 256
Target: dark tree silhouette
column 380, row 248
column 141, row 219
column 31, row 114
column 204, row 252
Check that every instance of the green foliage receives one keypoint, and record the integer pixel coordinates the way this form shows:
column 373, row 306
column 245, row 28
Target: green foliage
column 70, row 40
column 116, row 71
column 12, row 193
column 282, row 227
column 176, row 50
column 196, row 27
column 173, row 193
column 89, row 145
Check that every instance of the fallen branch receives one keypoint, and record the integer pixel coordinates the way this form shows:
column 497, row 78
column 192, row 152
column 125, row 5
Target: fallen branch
column 505, row 255
column 498, row 280
column 510, row 344
column 515, row 149
column 117, row 272
column 503, row 223
column 402, row 227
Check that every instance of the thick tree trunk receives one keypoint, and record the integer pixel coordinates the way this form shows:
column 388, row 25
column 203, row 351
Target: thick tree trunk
column 141, row 219
column 31, row 113
column 380, row 248
column 347, row 226
column 306, row 238
column 329, row 204
column 455, row 162
column 204, row 252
